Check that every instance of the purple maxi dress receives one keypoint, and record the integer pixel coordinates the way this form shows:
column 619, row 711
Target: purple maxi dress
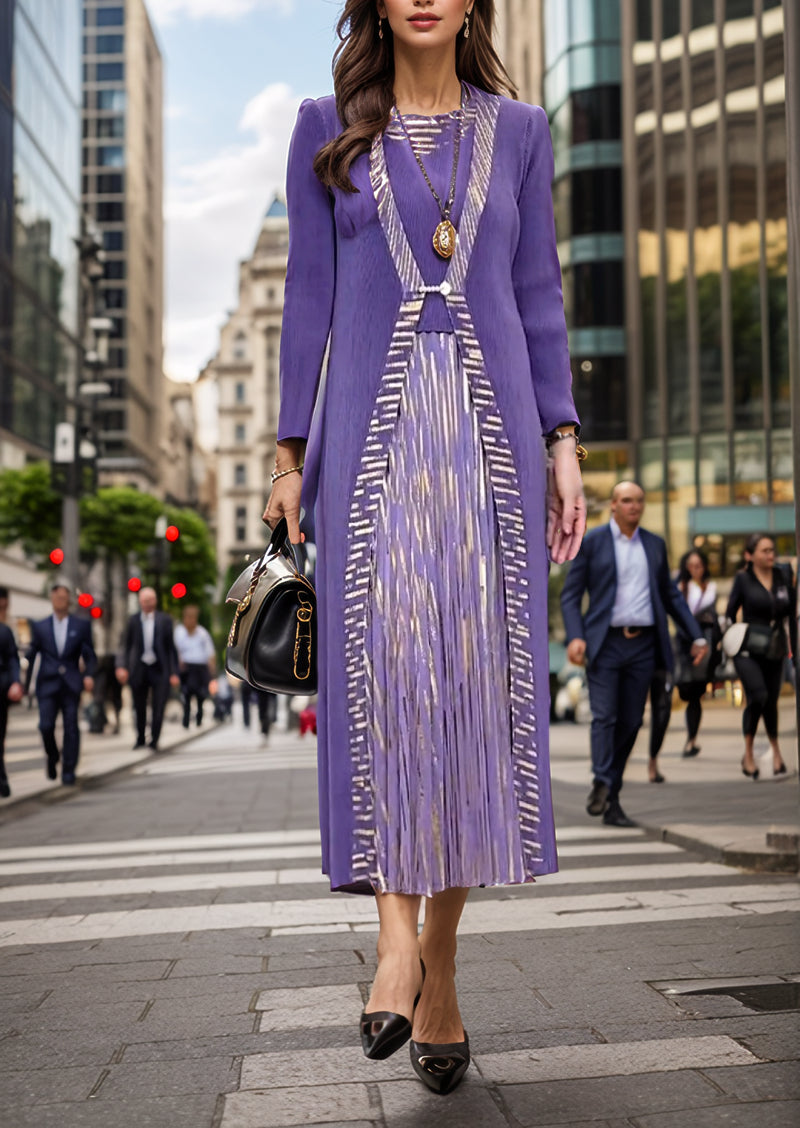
column 425, row 468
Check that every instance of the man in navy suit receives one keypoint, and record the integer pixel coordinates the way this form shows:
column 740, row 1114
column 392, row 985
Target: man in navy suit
column 67, row 662
column 148, row 659
column 622, row 637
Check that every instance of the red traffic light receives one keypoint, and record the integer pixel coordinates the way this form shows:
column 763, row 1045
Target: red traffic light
column 179, row 590
column 134, row 584
column 57, row 556
column 85, row 600
column 172, row 533
column 97, row 612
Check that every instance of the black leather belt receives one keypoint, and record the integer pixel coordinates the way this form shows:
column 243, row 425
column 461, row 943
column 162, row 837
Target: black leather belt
column 630, row 632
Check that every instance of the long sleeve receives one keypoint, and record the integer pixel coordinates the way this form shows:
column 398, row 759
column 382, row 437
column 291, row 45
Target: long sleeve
column 88, row 653
column 537, row 282
column 33, row 650
column 310, row 277
column 736, row 597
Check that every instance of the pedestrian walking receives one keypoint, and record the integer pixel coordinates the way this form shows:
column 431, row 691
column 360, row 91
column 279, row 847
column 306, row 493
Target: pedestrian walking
column 700, row 592
column 67, row 663
column 266, row 706
column 422, row 241
column 10, row 685
column 197, row 662
column 660, row 712
column 622, row 637
column 148, row 660
column 767, row 599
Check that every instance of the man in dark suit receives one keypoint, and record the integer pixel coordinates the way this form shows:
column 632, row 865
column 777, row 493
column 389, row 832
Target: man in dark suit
column 67, row 662
column 622, row 637
column 148, row 659
column 10, row 687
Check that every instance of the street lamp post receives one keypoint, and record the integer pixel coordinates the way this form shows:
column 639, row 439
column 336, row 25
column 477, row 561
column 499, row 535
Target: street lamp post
column 72, row 449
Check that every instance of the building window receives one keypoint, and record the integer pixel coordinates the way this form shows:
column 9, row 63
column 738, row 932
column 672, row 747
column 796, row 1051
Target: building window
column 110, row 44
column 110, row 156
column 115, row 299
column 117, row 358
column 114, row 269
column 110, row 17
column 111, row 127
column 240, row 346
column 240, row 474
column 109, row 183
column 111, row 100
column 110, row 211
column 114, row 240
column 240, row 533
column 239, row 391
column 240, row 432
column 110, row 72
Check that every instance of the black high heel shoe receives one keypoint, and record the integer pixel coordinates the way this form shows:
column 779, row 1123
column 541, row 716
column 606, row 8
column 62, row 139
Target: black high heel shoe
column 384, row 1032
column 750, row 775
column 440, row 1067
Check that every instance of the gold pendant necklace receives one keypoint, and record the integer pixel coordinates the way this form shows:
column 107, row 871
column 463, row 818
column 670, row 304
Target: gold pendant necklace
column 444, row 237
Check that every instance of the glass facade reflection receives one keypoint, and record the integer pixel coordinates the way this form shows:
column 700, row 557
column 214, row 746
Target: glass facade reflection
column 706, row 269
column 582, row 97
column 39, row 218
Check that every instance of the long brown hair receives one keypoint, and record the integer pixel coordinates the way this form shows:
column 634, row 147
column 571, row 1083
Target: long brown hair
column 363, row 81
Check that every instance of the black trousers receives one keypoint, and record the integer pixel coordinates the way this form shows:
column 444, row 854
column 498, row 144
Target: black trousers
column 153, row 683
column 66, row 702
column 762, row 679
column 619, row 679
column 660, row 709
column 3, row 724
column 194, row 683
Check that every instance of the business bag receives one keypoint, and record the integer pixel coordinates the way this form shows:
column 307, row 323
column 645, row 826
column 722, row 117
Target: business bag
column 272, row 643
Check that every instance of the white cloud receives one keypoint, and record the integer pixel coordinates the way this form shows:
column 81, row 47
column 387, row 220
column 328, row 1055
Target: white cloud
column 213, row 211
column 169, row 11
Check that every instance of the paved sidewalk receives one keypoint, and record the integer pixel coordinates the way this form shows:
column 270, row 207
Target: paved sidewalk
column 103, row 755
column 706, row 803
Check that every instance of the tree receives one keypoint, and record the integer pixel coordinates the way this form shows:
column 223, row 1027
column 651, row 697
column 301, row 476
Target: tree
column 30, row 510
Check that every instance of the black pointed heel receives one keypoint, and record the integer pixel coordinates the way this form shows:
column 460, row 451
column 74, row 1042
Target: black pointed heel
column 750, row 775
column 440, row 1067
column 384, row 1032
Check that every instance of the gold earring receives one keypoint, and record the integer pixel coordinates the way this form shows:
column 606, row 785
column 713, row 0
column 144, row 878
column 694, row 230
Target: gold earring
column 466, row 26
column 380, row 28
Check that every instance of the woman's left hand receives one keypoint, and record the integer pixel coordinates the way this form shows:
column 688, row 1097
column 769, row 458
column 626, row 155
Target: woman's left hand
column 566, row 514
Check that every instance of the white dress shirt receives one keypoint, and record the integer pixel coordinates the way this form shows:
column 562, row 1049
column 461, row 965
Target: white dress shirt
column 149, row 656
column 633, row 604
column 60, row 630
column 195, row 648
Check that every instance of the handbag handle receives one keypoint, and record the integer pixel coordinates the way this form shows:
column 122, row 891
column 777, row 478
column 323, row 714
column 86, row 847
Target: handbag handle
column 280, row 544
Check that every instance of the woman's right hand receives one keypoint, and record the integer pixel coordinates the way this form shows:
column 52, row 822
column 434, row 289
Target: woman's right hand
column 284, row 501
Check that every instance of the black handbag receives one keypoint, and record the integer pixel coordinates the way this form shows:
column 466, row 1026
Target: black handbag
column 272, row 643
column 765, row 641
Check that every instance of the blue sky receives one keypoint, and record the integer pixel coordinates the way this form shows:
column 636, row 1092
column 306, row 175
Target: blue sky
column 235, row 73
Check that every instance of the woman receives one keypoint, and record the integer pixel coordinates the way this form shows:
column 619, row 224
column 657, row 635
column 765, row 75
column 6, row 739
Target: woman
column 766, row 597
column 700, row 592
column 422, row 238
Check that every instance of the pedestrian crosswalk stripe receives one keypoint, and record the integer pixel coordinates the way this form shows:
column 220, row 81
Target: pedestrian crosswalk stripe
column 240, row 838
column 637, row 850
column 530, row 913
column 227, row 879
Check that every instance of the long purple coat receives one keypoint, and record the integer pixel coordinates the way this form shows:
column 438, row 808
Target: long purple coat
column 354, row 278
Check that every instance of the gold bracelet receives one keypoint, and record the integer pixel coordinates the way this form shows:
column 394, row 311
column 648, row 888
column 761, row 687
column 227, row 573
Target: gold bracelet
column 282, row 473
column 581, row 453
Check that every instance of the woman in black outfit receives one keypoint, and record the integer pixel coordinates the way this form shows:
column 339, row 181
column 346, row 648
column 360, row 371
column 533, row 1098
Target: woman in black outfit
column 700, row 593
column 767, row 597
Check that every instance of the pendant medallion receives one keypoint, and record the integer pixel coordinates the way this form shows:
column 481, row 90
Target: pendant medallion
column 444, row 239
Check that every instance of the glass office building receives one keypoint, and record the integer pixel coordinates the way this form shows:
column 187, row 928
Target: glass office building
column 122, row 192
column 582, row 94
column 706, row 226
column 40, row 127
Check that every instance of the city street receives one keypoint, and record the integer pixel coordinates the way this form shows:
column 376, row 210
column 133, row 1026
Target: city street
column 171, row 958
